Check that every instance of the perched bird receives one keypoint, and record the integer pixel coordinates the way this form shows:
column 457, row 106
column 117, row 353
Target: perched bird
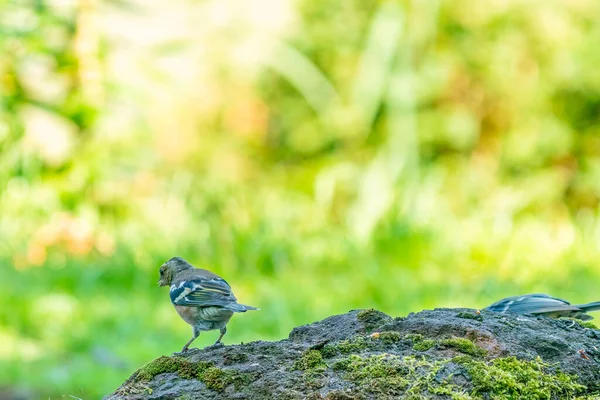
column 543, row 304
column 204, row 300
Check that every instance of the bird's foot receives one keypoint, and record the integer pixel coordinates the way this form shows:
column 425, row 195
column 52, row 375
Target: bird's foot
column 181, row 353
column 214, row 346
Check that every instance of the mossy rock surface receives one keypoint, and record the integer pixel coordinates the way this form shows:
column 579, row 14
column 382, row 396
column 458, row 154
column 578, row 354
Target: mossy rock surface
column 365, row 354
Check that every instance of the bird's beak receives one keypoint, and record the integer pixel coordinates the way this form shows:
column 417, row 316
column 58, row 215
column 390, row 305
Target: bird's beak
column 161, row 283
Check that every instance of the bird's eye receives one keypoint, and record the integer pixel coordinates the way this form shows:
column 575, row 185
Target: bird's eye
column 162, row 272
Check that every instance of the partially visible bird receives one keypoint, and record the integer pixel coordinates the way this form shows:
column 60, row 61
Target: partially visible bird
column 203, row 299
column 543, row 304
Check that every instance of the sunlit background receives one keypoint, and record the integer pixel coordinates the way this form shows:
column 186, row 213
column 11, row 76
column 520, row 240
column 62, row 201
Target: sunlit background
column 321, row 155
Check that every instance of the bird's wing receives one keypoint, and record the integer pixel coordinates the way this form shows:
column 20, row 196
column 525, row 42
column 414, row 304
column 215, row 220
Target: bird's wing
column 202, row 293
column 531, row 304
column 551, row 309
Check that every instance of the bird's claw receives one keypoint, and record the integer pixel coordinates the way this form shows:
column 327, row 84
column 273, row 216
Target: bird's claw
column 214, row 346
column 180, row 353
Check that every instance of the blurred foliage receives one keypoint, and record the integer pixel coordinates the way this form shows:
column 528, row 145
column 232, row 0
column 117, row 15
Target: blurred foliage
column 321, row 155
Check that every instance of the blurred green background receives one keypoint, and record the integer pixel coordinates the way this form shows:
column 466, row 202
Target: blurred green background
column 321, row 155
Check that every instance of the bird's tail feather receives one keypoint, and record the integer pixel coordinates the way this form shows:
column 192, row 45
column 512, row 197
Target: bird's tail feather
column 589, row 306
column 235, row 307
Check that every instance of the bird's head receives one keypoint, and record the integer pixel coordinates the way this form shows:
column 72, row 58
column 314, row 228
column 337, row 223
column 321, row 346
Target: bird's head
column 170, row 269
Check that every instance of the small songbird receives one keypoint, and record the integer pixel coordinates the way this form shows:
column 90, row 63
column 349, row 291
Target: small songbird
column 203, row 299
column 543, row 304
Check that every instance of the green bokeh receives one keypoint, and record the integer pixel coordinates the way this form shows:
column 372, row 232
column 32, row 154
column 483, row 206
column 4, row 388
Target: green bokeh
column 322, row 156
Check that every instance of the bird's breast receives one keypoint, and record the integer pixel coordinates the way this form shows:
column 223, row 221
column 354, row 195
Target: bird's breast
column 189, row 314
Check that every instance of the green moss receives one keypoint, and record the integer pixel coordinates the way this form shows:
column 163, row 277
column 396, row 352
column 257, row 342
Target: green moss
column 585, row 324
column 359, row 343
column 355, row 345
column 372, row 318
column 464, row 346
column 470, row 315
column 513, row 378
column 340, row 395
column 242, row 380
column 216, row 379
column 461, row 359
column 329, row 351
column 415, row 337
column 310, row 360
column 381, row 374
column 385, row 375
column 342, row 365
column 189, row 370
column 159, row 366
column 427, row 380
column 389, row 337
column 419, row 342
column 203, row 366
column 185, row 369
column 424, row 345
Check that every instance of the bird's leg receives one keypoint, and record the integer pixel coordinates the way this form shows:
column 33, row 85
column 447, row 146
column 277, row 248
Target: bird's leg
column 196, row 333
column 185, row 348
column 223, row 332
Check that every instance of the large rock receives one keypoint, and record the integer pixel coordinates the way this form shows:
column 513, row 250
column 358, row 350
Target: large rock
column 439, row 354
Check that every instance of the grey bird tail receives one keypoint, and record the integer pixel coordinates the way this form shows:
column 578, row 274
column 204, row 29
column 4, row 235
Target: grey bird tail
column 235, row 307
column 589, row 306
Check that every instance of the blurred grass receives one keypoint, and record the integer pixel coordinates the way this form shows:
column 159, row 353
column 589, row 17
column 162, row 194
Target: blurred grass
column 322, row 156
